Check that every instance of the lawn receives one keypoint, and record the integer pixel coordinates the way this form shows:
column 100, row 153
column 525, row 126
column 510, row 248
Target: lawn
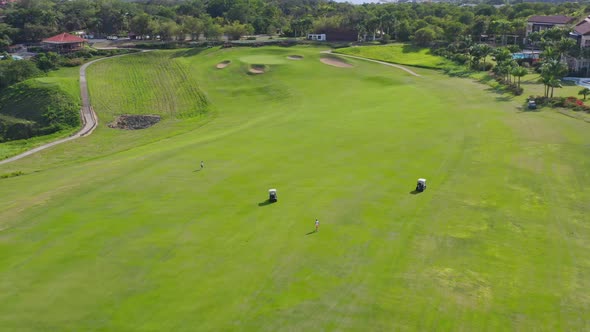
column 403, row 54
column 121, row 230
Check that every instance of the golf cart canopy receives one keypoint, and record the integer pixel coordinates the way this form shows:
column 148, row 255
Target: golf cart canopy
column 421, row 180
column 270, row 191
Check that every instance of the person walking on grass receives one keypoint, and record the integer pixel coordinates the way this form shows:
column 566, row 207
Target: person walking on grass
column 202, row 164
column 317, row 225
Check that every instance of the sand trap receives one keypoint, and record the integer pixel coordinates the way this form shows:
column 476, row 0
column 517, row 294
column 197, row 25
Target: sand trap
column 223, row 64
column 335, row 62
column 295, row 57
column 257, row 69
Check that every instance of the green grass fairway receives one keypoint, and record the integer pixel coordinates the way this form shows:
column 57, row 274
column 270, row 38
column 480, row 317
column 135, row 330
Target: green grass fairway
column 121, row 231
column 403, row 54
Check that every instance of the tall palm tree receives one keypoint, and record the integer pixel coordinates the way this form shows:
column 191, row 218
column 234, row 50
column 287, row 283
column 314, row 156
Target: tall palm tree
column 552, row 71
column 564, row 45
column 485, row 50
column 550, row 53
column 534, row 38
column 584, row 92
column 554, row 83
column 519, row 72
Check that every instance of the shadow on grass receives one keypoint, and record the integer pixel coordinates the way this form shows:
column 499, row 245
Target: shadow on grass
column 408, row 48
column 504, row 98
column 415, row 192
column 265, row 203
column 188, row 53
column 311, row 233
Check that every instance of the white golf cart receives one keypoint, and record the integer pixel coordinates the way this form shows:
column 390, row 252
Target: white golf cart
column 421, row 186
column 272, row 195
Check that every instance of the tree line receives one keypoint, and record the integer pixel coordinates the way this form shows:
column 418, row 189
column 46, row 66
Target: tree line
column 424, row 23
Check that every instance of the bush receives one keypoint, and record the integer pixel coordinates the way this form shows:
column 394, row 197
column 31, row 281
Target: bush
column 385, row 39
column 517, row 91
column 11, row 175
column 460, row 58
column 485, row 66
column 251, row 38
column 73, row 62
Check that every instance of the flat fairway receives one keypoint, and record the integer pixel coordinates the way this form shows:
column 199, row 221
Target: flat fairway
column 123, row 231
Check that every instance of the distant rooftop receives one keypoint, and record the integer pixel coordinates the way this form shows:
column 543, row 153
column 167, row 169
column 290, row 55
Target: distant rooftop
column 551, row 19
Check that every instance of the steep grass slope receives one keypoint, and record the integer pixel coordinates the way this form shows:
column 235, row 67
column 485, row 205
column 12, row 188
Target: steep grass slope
column 149, row 83
column 33, row 108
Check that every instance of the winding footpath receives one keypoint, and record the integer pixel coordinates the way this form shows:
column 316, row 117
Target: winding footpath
column 376, row 61
column 89, row 119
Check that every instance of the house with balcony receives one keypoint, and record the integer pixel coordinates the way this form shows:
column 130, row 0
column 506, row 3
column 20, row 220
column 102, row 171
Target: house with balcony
column 581, row 33
column 540, row 23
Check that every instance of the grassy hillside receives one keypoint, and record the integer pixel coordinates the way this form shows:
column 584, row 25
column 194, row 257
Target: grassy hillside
column 121, row 230
column 34, row 108
column 149, row 83
column 67, row 79
column 403, row 54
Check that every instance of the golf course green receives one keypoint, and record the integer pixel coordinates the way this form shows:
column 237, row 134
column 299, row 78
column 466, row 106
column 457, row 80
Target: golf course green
column 122, row 230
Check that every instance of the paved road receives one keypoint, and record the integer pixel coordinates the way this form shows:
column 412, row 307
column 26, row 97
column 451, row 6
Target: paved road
column 89, row 119
column 377, row 61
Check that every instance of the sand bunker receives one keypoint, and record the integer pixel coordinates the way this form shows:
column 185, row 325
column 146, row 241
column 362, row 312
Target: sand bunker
column 257, row 69
column 295, row 57
column 223, row 64
column 335, row 62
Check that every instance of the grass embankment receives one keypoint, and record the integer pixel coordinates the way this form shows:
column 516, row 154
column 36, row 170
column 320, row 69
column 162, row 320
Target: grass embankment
column 119, row 231
column 403, row 54
column 157, row 83
column 38, row 110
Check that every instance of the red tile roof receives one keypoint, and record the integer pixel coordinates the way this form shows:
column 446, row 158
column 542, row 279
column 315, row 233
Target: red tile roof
column 64, row 38
column 552, row 19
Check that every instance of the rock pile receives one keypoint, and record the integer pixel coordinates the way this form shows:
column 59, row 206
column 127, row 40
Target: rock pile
column 133, row 122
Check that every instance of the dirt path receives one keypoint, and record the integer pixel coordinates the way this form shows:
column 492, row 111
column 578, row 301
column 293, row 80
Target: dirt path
column 376, row 61
column 89, row 119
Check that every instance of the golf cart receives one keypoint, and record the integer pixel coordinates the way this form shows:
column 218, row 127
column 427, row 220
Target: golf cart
column 272, row 195
column 421, row 186
column 532, row 104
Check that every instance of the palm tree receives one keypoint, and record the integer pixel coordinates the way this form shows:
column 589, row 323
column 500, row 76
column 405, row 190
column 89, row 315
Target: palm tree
column 584, row 92
column 550, row 53
column 552, row 71
column 519, row 72
column 534, row 38
column 475, row 52
column 485, row 50
column 564, row 45
column 502, row 54
column 554, row 83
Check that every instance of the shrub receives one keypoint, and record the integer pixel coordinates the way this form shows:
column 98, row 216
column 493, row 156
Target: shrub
column 460, row 58
column 73, row 62
column 385, row 39
column 485, row 66
column 11, row 175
